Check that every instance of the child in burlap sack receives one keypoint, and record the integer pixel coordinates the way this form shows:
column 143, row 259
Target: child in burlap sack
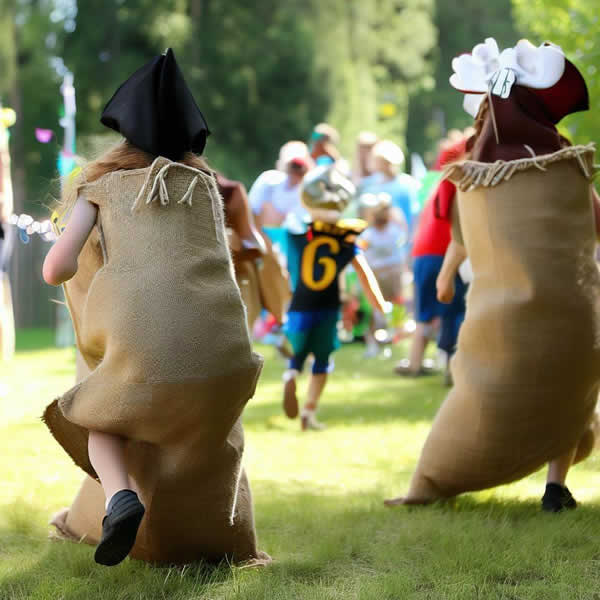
column 526, row 369
column 162, row 329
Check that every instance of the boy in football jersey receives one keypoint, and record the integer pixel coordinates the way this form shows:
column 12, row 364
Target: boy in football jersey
column 316, row 257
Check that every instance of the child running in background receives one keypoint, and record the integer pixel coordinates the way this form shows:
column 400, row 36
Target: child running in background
column 316, row 257
column 385, row 244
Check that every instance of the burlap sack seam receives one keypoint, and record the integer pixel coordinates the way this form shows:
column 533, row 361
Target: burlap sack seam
column 218, row 208
column 470, row 174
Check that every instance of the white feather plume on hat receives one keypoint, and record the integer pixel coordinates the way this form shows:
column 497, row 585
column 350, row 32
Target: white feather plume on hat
column 534, row 67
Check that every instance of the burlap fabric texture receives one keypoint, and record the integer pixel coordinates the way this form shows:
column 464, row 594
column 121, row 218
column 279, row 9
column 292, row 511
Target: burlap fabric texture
column 527, row 368
column 263, row 281
column 161, row 326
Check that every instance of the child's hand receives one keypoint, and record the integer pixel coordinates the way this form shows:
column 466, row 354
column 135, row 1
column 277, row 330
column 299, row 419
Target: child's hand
column 445, row 289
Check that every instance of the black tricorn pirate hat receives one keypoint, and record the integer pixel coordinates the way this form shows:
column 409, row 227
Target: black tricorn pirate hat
column 155, row 111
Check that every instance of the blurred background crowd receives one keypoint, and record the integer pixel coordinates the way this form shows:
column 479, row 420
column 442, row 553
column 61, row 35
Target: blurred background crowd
column 284, row 86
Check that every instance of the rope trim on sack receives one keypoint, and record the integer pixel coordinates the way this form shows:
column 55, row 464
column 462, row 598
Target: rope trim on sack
column 159, row 191
column 471, row 174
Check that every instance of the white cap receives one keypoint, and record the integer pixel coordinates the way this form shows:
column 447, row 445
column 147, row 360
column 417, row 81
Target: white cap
column 389, row 151
column 290, row 151
column 367, row 138
column 377, row 201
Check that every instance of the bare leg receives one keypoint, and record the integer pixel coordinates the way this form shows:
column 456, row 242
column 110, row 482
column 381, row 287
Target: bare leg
column 559, row 467
column 417, row 348
column 417, row 351
column 124, row 511
column 107, row 455
column 315, row 389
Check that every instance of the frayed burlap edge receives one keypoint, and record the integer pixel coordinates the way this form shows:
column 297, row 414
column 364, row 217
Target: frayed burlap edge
column 61, row 533
column 470, row 174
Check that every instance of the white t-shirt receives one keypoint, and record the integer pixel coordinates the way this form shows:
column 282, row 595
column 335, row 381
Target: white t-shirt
column 274, row 187
column 384, row 247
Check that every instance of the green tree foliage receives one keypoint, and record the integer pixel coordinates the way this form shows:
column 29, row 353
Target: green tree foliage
column 263, row 72
column 7, row 47
column 33, row 91
column 111, row 39
column 575, row 26
column 373, row 55
column 251, row 66
column 460, row 26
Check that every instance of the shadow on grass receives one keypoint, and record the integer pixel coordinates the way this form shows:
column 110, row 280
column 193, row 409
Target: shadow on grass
column 387, row 400
column 357, row 392
column 39, row 567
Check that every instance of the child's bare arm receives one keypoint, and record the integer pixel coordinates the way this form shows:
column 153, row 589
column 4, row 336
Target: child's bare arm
column 369, row 283
column 455, row 255
column 61, row 262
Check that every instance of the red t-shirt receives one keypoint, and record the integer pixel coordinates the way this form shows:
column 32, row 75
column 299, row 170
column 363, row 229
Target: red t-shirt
column 433, row 234
column 434, row 230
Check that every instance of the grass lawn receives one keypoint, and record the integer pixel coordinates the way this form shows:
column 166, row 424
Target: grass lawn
column 318, row 501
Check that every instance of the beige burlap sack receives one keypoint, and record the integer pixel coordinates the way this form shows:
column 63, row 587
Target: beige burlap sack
column 274, row 282
column 162, row 327
column 527, row 368
column 246, row 275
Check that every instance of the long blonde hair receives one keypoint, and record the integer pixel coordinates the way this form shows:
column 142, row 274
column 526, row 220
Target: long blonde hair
column 122, row 157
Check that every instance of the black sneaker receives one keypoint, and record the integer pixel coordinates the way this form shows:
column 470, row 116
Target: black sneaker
column 119, row 528
column 557, row 497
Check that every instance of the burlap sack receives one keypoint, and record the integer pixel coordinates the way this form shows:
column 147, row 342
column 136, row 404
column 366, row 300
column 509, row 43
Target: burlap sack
column 162, row 327
column 246, row 275
column 527, row 368
column 274, row 282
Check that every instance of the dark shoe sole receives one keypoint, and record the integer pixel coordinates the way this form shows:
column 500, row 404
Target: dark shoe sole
column 118, row 541
column 290, row 400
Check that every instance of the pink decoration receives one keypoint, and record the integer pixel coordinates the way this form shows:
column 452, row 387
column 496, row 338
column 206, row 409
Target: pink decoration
column 43, row 135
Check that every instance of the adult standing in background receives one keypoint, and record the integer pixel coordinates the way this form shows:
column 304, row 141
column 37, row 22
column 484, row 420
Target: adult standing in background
column 363, row 166
column 387, row 159
column 276, row 193
column 324, row 141
column 431, row 241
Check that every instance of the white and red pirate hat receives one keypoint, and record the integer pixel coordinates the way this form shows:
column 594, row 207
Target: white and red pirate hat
column 543, row 70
